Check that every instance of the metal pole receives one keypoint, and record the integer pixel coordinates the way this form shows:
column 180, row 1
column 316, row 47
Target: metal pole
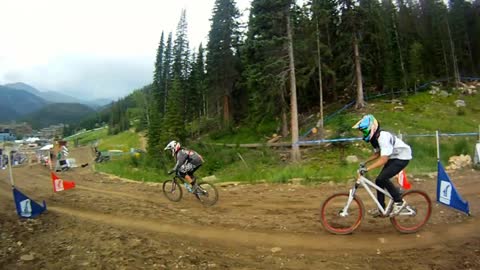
column 10, row 168
column 438, row 145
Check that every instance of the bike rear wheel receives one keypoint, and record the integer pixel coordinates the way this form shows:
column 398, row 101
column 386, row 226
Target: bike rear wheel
column 415, row 215
column 206, row 193
column 172, row 190
column 330, row 216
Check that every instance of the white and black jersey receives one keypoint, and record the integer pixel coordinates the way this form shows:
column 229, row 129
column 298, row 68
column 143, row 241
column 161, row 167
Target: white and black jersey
column 393, row 147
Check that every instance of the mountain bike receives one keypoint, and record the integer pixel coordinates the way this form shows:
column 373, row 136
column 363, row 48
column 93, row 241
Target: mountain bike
column 342, row 213
column 206, row 192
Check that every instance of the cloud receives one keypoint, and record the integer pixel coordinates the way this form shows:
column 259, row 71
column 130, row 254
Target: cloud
column 92, row 48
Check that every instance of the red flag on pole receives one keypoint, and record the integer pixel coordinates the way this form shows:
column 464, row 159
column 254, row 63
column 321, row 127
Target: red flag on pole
column 59, row 184
column 402, row 180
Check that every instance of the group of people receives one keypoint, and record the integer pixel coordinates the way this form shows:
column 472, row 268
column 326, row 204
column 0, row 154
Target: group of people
column 389, row 152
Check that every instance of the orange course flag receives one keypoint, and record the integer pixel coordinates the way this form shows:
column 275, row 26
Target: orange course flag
column 60, row 185
column 402, row 180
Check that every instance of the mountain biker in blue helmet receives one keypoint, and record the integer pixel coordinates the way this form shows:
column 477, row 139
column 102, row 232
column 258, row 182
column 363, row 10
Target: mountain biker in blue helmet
column 391, row 153
column 187, row 162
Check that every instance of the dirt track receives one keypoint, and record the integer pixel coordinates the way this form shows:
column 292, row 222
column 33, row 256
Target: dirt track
column 106, row 223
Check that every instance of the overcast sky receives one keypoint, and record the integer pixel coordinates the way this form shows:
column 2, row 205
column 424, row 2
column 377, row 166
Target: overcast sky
column 92, row 48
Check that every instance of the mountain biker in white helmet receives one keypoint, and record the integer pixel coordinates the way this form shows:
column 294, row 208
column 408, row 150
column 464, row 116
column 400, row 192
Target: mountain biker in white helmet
column 391, row 153
column 187, row 162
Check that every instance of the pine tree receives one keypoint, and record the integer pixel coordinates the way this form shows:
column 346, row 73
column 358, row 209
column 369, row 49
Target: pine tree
column 266, row 59
column 393, row 75
column 173, row 124
column 348, row 47
column 372, row 43
column 198, row 82
column 325, row 18
column 221, row 66
column 293, row 93
column 180, row 49
column 459, row 10
column 474, row 32
column 416, row 66
column 158, row 92
column 434, row 38
column 167, row 69
column 175, row 115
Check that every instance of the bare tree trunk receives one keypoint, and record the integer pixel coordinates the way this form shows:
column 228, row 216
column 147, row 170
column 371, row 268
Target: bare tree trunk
column 284, row 114
column 456, row 74
column 320, row 122
column 402, row 65
column 358, row 74
column 446, row 62
column 293, row 96
column 470, row 56
column 226, row 109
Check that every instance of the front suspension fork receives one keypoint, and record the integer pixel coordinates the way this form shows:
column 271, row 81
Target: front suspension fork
column 351, row 195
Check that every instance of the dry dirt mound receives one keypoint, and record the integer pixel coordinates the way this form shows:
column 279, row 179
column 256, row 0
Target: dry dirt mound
column 106, row 223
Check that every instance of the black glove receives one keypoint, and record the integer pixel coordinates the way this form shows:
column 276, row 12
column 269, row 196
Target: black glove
column 362, row 171
column 171, row 171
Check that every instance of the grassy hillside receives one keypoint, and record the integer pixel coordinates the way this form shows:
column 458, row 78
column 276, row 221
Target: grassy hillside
column 419, row 114
column 89, row 137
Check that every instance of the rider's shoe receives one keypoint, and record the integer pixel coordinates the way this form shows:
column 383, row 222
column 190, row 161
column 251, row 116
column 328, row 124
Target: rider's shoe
column 398, row 207
column 375, row 213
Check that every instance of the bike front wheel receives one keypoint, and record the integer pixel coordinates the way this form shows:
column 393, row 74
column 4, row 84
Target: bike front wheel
column 337, row 221
column 415, row 214
column 172, row 190
column 207, row 193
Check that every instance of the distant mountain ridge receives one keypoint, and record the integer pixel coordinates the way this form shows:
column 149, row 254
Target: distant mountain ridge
column 57, row 97
column 55, row 113
column 23, row 103
column 15, row 103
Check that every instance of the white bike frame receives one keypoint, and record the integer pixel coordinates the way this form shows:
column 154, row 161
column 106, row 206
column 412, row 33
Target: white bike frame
column 364, row 182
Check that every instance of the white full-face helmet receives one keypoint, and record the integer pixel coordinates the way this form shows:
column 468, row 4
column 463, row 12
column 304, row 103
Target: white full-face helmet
column 173, row 146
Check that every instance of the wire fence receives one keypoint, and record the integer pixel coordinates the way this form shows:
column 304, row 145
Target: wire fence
column 317, row 142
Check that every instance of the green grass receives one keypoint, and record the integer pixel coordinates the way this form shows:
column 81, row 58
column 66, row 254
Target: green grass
column 121, row 141
column 127, row 168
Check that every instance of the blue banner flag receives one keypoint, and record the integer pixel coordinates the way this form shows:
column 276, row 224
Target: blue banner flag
column 26, row 207
column 447, row 193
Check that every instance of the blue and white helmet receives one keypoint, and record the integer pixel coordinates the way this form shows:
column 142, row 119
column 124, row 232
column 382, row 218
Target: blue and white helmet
column 368, row 125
